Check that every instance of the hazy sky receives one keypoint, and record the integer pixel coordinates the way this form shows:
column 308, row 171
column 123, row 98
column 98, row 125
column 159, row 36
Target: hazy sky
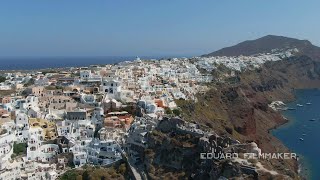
column 147, row 27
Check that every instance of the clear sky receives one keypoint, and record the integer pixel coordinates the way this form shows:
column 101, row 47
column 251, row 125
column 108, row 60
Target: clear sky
column 148, row 27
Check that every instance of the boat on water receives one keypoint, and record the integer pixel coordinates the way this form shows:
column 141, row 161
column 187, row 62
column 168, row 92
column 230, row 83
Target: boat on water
column 299, row 105
column 309, row 103
column 312, row 120
column 290, row 108
column 304, row 134
column 301, row 139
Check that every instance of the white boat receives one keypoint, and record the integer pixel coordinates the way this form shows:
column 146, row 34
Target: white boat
column 309, row 103
column 299, row 105
column 301, row 139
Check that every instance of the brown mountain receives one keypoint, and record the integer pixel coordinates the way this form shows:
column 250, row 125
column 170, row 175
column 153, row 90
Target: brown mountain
column 268, row 43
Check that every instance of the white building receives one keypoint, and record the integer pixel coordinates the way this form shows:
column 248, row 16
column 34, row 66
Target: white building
column 22, row 127
column 112, row 88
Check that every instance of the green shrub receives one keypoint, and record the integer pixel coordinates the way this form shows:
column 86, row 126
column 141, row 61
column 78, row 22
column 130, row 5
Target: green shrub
column 69, row 175
column 2, row 79
column 20, row 148
column 176, row 112
column 168, row 110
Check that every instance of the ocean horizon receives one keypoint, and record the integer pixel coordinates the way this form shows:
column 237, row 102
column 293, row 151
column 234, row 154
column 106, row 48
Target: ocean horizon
column 33, row 63
column 304, row 122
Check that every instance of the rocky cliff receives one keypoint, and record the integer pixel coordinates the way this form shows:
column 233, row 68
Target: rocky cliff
column 175, row 154
column 240, row 109
column 236, row 108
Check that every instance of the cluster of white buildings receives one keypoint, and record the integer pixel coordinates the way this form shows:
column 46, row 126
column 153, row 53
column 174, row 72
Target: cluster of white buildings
column 95, row 115
column 86, row 115
column 240, row 63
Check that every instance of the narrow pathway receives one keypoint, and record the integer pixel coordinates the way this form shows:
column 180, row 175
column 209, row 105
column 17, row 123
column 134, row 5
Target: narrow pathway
column 135, row 172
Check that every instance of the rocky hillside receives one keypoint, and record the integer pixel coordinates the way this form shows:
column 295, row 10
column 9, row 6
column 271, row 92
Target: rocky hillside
column 268, row 44
column 239, row 109
column 235, row 110
column 173, row 154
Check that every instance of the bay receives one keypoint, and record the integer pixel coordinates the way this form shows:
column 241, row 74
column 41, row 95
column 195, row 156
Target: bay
column 304, row 122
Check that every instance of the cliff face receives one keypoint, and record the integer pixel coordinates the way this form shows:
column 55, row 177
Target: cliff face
column 276, row 81
column 174, row 154
column 240, row 104
column 240, row 109
column 237, row 108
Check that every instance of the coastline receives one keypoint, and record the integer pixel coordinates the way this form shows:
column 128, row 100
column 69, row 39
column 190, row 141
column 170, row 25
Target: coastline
column 303, row 167
column 301, row 163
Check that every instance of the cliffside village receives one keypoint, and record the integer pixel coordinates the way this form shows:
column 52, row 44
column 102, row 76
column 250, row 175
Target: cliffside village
column 96, row 115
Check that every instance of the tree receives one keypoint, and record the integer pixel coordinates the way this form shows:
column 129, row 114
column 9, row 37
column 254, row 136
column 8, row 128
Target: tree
column 2, row 79
column 20, row 148
column 69, row 175
column 176, row 112
column 168, row 110
column 96, row 132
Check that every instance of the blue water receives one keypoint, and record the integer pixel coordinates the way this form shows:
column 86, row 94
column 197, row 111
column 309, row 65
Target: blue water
column 30, row 63
column 298, row 124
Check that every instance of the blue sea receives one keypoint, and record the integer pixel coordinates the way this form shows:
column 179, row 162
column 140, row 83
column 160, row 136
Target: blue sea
column 30, row 63
column 299, row 124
